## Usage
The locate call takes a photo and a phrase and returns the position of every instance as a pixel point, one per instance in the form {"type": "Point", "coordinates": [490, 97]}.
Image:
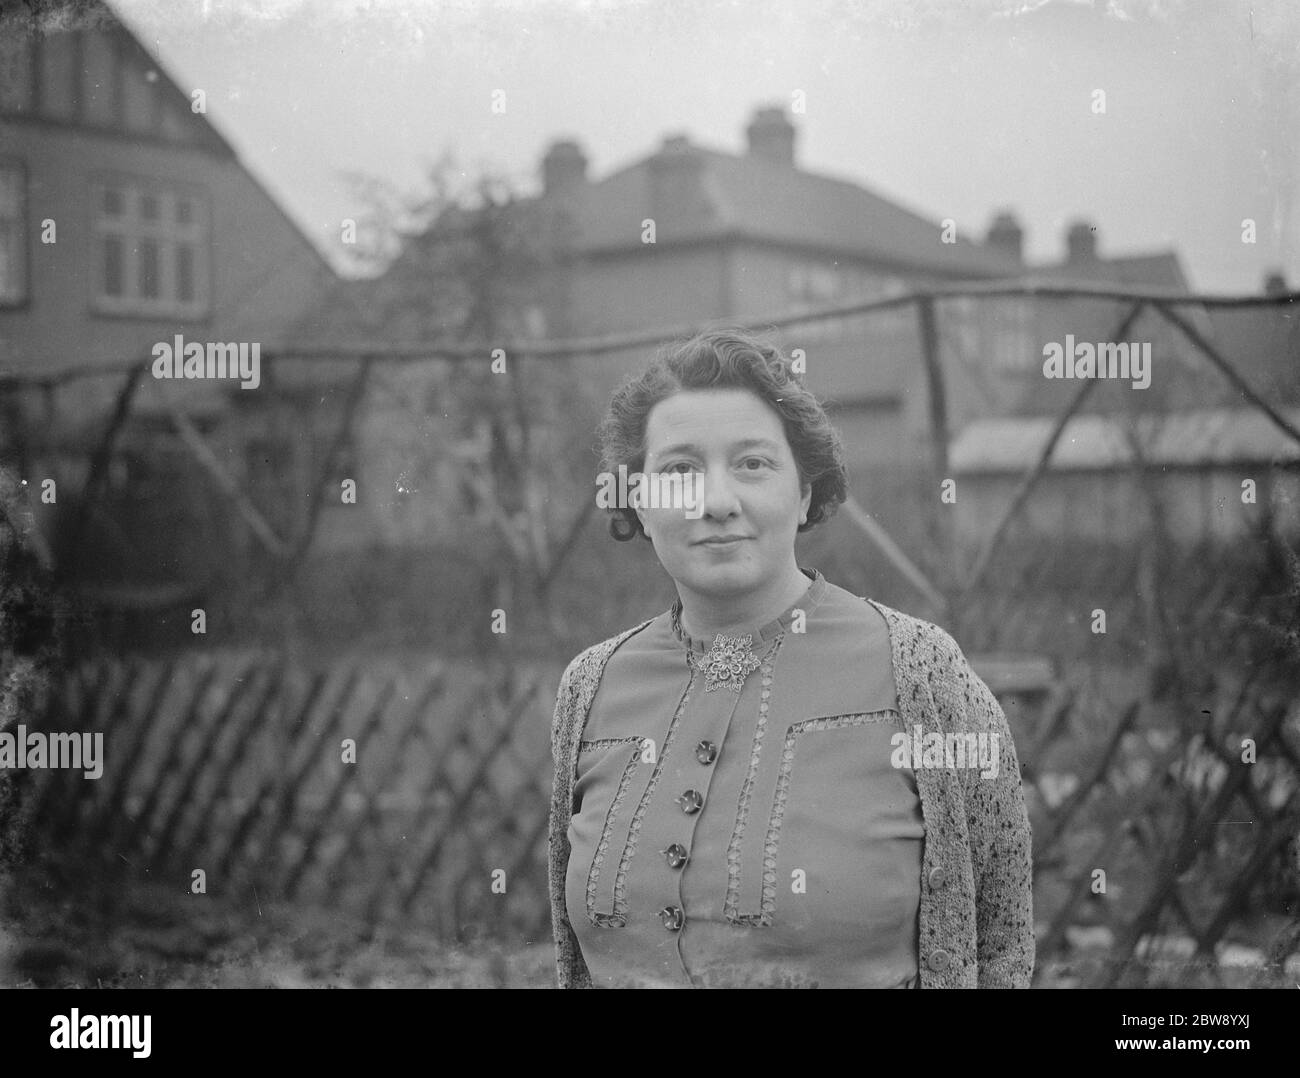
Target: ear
{"type": "Point", "coordinates": [644, 518]}
{"type": "Point", "coordinates": [804, 502]}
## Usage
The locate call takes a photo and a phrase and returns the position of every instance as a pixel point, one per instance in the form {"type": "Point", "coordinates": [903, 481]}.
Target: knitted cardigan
{"type": "Point", "coordinates": [976, 915]}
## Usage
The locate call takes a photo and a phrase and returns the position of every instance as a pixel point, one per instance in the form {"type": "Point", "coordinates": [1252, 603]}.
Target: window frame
{"type": "Point", "coordinates": [24, 242]}
{"type": "Point", "coordinates": [169, 236]}
{"type": "Point", "coordinates": [29, 47]}
{"type": "Point", "coordinates": [1011, 326]}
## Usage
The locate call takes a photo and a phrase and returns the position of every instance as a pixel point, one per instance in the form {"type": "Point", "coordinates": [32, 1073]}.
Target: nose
{"type": "Point", "coordinates": [719, 499]}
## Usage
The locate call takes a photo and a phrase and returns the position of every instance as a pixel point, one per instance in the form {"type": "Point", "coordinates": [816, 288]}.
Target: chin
{"type": "Point", "coordinates": [722, 579]}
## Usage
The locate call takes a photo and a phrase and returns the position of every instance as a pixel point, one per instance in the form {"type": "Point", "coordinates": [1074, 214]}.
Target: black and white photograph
{"type": "Point", "coordinates": [650, 494]}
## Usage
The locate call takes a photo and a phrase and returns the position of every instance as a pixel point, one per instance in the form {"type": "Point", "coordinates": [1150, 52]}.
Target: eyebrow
{"type": "Point", "coordinates": [689, 447]}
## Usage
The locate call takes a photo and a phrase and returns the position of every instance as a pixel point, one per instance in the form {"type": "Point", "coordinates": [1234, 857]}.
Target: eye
{"type": "Point", "coordinates": [753, 464]}
{"type": "Point", "coordinates": [679, 466]}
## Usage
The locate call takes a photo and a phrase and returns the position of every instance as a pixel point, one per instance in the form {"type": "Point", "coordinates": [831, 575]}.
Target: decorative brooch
{"type": "Point", "coordinates": [728, 662]}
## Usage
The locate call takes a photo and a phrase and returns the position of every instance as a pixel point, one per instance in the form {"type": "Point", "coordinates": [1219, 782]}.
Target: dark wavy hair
{"type": "Point", "coordinates": [726, 359]}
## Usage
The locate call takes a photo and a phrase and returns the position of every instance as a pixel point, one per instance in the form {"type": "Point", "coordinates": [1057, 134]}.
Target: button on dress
{"type": "Point", "coordinates": [739, 820]}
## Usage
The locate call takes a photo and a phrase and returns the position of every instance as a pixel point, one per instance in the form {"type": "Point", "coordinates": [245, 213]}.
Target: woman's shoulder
{"type": "Point", "coordinates": [578, 684]}
{"type": "Point", "coordinates": [919, 640]}
{"type": "Point", "coordinates": [927, 652]}
{"type": "Point", "coordinates": [585, 667]}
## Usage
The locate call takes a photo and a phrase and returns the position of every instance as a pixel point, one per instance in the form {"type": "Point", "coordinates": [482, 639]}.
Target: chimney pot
{"type": "Point", "coordinates": [1006, 236]}
{"type": "Point", "coordinates": [1081, 242]}
{"type": "Point", "coordinates": [564, 166]}
{"type": "Point", "coordinates": [678, 198]}
{"type": "Point", "coordinates": [771, 135]}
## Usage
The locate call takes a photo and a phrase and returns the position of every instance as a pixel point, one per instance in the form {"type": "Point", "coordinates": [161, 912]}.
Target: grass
{"type": "Point", "coordinates": [159, 941]}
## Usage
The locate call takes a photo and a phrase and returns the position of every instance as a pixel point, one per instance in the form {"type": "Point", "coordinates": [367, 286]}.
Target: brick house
{"type": "Point", "coordinates": [126, 219]}
{"type": "Point", "coordinates": [752, 235]}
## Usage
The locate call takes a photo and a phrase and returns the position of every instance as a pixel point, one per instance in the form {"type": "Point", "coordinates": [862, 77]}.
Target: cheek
{"type": "Point", "coordinates": [665, 522]}
{"type": "Point", "coordinates": [787, 506]}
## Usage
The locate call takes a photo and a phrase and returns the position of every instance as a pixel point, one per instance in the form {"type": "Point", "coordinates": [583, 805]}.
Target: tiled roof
{"type": "Point", "coordinates": [1162, 270]}
{"type": "Point", "coordinates": [711, 196]}
{"type": "Point", "coordinates": [747, 196]}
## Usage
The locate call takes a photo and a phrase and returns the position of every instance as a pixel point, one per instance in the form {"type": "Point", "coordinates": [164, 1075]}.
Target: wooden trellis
{"type": "Point", "coordinates": [238, 766]}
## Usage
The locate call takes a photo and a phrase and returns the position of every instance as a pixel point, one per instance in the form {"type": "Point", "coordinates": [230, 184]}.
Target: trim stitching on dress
{"type": "Point", "coordinates": [609, 742]}
{"type": "Point", "coordinates": [606, 920]}
{"type": "Point", "coordinates": [747, 789]}
{"type": "Point", "coordinates": [634, 829]}
{"type": "Point", "coordinates": [767, 908]}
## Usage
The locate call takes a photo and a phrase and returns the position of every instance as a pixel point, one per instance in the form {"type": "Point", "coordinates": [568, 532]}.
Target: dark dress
{"type": "Point", "coordinates": [759, 837]}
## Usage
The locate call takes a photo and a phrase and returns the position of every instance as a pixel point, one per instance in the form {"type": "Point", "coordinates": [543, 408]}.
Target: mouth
{"type": "Point", "coordinates": [722, 540]}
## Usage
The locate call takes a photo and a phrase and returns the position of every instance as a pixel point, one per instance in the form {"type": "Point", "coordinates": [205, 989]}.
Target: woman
{"type": "Point", "coordinates": [738, 796]}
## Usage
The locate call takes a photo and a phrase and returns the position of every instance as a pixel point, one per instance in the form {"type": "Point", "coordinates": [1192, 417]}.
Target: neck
{"type": "Point", "coordinates": [704, 616]}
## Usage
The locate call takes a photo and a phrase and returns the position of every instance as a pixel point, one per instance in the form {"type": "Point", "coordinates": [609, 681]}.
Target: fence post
{"type": "Point", "coordinates": [945, 530]}
{"type": "Point", "coordinates": [934, 377]}
{"type": "Point", "coordinates": [73, 541]}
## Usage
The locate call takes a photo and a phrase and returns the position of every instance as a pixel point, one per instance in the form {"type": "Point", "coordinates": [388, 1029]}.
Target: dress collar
{"type": "Point", "coordinates": [761, 634]}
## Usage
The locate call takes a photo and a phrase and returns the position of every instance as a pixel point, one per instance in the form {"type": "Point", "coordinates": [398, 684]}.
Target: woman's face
{"type": "Point", "coordinates": [752, 504]}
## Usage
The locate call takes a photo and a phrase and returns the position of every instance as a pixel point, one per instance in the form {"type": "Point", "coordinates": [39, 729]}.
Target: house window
{"type": "Point", "coordinates": [151, 247]}
{"type": "Point", "coordinates": [15, 70]}
{"type": "Point", "coordinates": [13, 234]}
{"type": "Point", "coordinates": [99, 78]}
{"type": "Point", "coordinates": [813, 284]}
{"type": "Point", "coordinates": [1011, 327]}
{"type": "Point", "coordinates": [58, 66]}
{"type": "Point", "coordinates": [896, 325]}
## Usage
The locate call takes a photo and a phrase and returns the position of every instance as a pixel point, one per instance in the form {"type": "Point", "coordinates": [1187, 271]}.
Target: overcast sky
{"type": "Point", "coordinates": [955, 108]}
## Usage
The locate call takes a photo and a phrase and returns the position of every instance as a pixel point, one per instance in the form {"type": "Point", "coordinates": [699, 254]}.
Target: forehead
{"type": "Point", "coordinates": [712, 418]}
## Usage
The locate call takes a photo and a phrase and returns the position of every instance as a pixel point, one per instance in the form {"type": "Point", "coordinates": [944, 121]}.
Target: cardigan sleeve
{"type": "Point", "coordinates": [1000, 840]}
{"type": "Point", "coordinates": [571, 970]}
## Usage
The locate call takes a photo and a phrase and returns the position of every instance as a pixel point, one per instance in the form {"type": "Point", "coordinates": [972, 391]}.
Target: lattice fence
{"type": "Point", "coordinates": [240, 767]}
{"type": "Point", "coordinates": [234, 764]}
{"type": "Point", "coordinates": [1188, 834]}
